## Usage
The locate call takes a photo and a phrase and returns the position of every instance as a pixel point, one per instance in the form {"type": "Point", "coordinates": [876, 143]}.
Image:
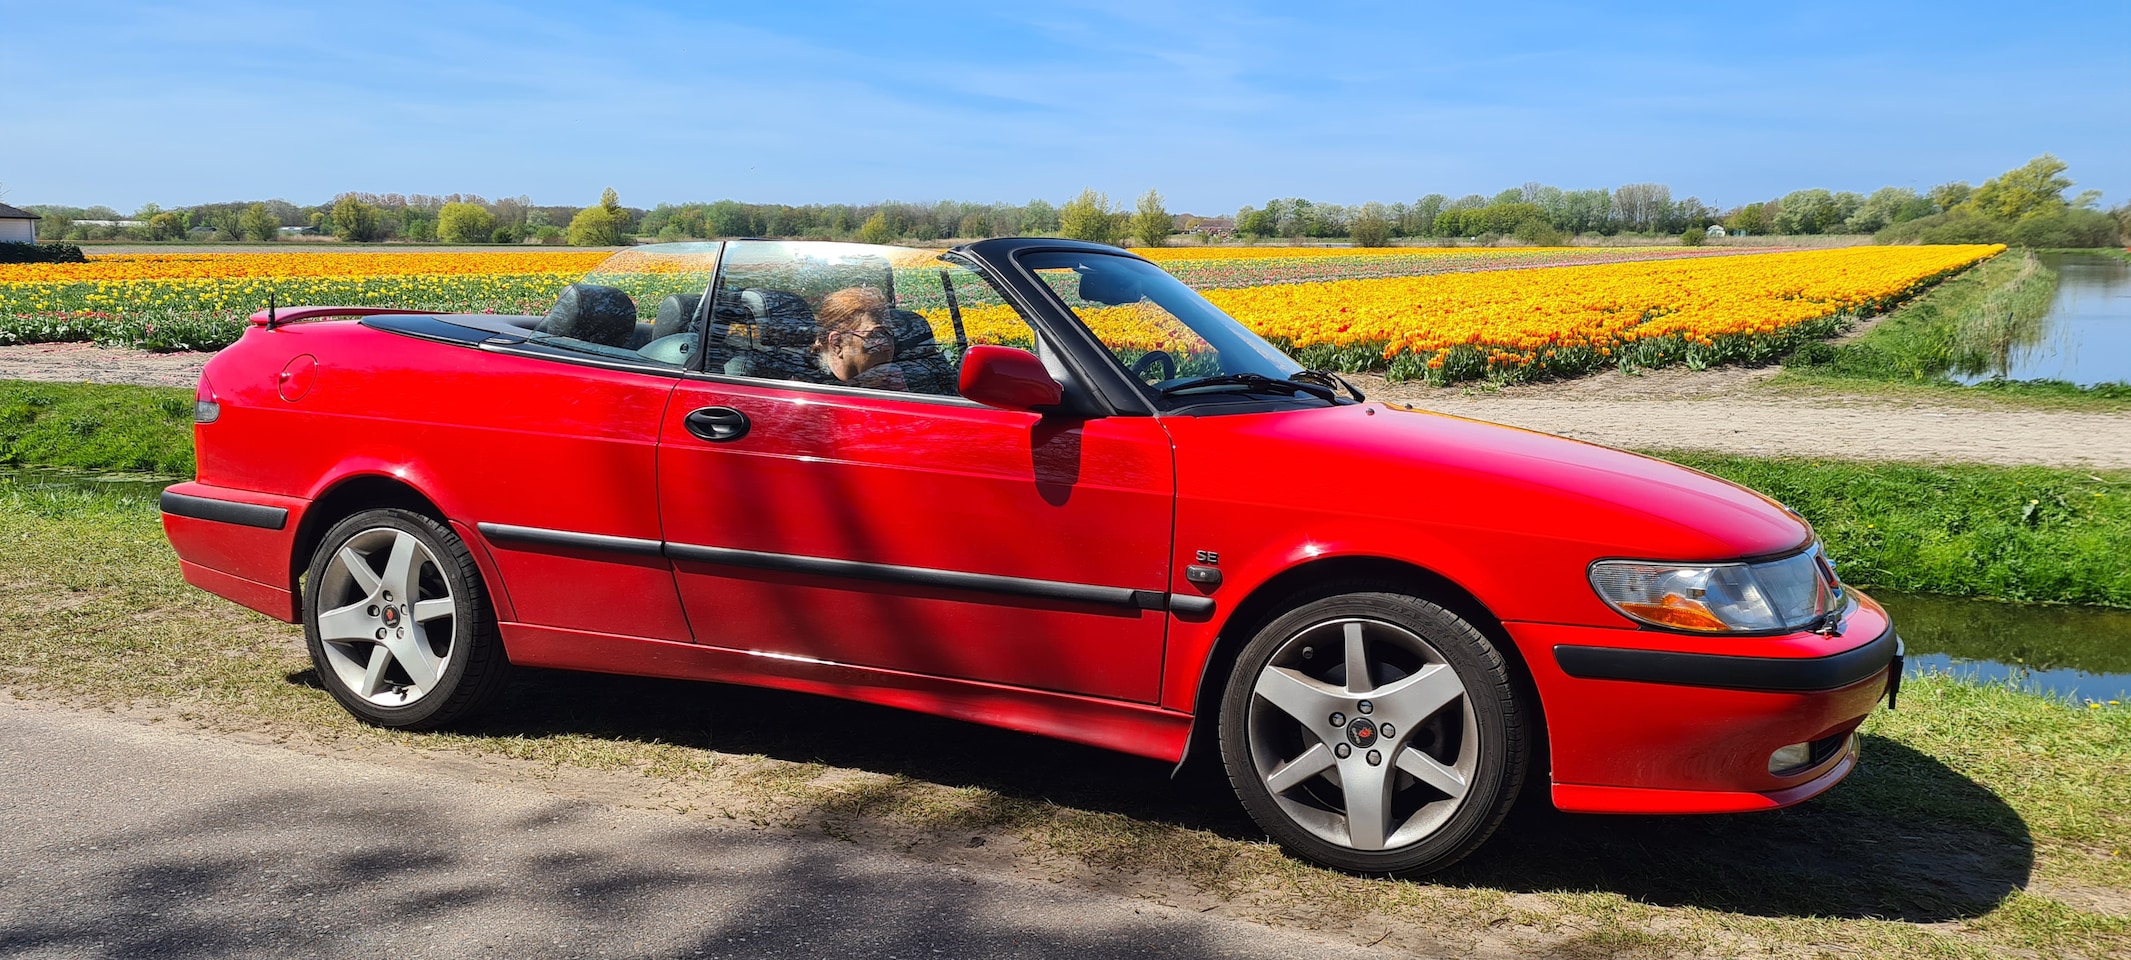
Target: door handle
{"type": "Point", "coordinates": [717, 424]}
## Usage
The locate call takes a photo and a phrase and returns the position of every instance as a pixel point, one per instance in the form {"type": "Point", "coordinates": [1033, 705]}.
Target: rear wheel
{"type": "Point", "coordinates": [1373, 732]}
{"type": "Point", "coordinates": [398, 623]}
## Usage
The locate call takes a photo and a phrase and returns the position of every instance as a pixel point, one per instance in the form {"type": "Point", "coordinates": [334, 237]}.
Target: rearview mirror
{"type": "Point", "coordinates": [1007, 378]}
{"type": "Point", "coordinates": [1109, 286]}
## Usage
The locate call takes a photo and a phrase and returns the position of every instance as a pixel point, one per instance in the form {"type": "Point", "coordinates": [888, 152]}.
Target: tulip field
{"type": "Point", "coordinates": [1441, 315]}
{"type": "Point", "coordinates": [1213, 268]}
{"type": "Point", "coordinates": [1563, 321]}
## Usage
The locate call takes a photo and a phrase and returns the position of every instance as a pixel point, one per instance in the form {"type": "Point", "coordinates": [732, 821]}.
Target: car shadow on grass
{"type": "Point", "coordinates": [1903, 838]}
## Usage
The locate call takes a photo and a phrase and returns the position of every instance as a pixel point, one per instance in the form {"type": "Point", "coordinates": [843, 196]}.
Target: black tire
{"type": "Point", "coordinates": [1309, 816]}
{"type": "Point", "coordinates": [465, 668]}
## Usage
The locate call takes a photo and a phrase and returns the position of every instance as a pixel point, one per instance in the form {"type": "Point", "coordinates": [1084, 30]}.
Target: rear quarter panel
{"type": "Point", "coordinates": [486, 437]}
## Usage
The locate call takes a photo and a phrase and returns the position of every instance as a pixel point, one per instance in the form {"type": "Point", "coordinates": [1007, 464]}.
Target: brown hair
{"type": "Point", "coordinates": [850, 308]}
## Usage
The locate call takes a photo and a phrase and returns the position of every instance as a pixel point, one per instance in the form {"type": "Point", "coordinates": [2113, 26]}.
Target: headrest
{"type": "Point", "coordinates": [727, 307]}
{"type": "Point", "coordinates": [592, 313]}
{"type": "Point", "coordinates": [674, 314]}
{"type": "Point", "coordinates": [780, 319]}
{"type": "Point", "coordinates": [913, 334]}
{"type": "Point", "coordinates": [786, 332]}
{"type": "Point", "coordinates": [776, 303]}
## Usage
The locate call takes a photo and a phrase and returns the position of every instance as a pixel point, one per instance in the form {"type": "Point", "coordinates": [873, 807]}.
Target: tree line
{"type": "Point", "coordinates": [353, 217]}
{"type": "Point", "coordinates": [2025, 205]}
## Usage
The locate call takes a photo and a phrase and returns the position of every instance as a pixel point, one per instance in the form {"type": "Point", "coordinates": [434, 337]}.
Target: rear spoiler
{"type": "Point", "coordinates": [270, 317]}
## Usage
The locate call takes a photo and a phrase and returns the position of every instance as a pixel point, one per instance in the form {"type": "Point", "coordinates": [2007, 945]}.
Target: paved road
{"type": "Point", "coordinates": [126, 840]}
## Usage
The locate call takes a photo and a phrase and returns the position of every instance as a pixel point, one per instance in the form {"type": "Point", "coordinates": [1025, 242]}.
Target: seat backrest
{"type": "Point", "coordinates": [925, 368]}
{"type": "Point", "coordinates": [768, 333]}
{"type": "Point", "coordinates": [592, 313]}
{"type": "Point", "coordinates": [674, 314]}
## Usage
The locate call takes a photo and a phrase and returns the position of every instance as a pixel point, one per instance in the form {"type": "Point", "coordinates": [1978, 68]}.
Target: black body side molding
{"type": "Point", "coordinates": [1766, 674]}
{"type": "Point", "coordinates": [1126, 597]}
{"type": "Point", "coordinates": [224, 511]}
{"type": "Point", "coordinates": [920, 576]}
{"type": "Point", "coordinates": [506, 533]}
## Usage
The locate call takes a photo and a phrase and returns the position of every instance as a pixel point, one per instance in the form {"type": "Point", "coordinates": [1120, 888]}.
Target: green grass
{"type": "Point", "coordinates": [1966, 531]}
{"type": "Point", "coordinates": [2120, 253]}
{"type": "Point", "coordinates": [1983, 821]}
{"type": "Point", "coordinates": [2001, 394]}
{"type": "Point", "coordinates": [1964, 326]}
{"type": "Point", "coordinates": [2008, 533]}
{"type": "Point", "coordinates": [96, 426]}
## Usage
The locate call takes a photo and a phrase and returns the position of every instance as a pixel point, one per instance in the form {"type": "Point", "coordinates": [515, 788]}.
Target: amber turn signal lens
{"type": "Point", "coordinates": [1677, 611]}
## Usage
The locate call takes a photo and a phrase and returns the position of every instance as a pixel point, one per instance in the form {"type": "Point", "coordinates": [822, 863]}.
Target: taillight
{"type": "Point", "coordinates": [205, 409]}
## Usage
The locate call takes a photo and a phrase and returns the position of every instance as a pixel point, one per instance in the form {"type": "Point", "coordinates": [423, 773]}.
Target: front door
{"type": "Point", "coordinates": [870, 517]}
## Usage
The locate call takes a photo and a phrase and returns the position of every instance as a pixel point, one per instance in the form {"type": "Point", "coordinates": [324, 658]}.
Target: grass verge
{"type": "Point", "coordinates": [2007, 533]}
{"type": "Point", "coordinates": [1966, 325]}
{"type": "Point", "coordinates": [2012, 533]}
{"type": "Point", "coordinates": [96, 426]}
{"type": "Point", "coordinates": [1983, 821]}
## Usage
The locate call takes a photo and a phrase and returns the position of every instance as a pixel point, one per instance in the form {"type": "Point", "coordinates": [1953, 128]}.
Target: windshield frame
{"type": "Point", "coordinates": [1226, 328]}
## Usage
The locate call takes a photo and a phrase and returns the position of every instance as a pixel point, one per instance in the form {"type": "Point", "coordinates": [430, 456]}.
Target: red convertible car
{"type": "Point", "coordinates": [1033, 483]}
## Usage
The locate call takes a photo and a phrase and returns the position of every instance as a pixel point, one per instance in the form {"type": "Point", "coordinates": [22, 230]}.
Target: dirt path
{"type": "Point", "coordinates": [87, 363]}
{"type": "Point", "coordinates": [1728, 410]}
{"type": "Point", "coordinates": [1732, 410]}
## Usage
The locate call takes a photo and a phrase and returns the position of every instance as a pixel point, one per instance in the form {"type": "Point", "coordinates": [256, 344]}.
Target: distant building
{"type": "Point", "coordinates": [17, 225]}
{"type": "Point", "coordinates": [1716, 231]}
{"type": "Point", "coordinates": [1215, 226]}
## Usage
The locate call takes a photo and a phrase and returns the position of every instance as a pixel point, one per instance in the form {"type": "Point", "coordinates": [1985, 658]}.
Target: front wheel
{"type": "Point", "coordinates": [398, 623]}
{"type": "Point", "coordinates": [1375, 733]}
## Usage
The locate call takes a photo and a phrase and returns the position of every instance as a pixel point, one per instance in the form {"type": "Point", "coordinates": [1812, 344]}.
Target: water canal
{"type": "Point", "coordinates": [2079, 653]}
{"type": "Point", "coordinates": [2085, 336]}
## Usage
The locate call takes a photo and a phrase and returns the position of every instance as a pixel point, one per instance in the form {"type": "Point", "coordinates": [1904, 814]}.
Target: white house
{"type": "Point", "coordinates": [17, 226]}
{"type": "Point", "coordinates": [1716, 231]}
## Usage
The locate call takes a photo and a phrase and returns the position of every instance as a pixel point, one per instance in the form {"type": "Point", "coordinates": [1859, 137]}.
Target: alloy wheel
{"type": "Point", "coordinates": [1363, 734]}
{"type": "Point", "coordinates": [387, 619]}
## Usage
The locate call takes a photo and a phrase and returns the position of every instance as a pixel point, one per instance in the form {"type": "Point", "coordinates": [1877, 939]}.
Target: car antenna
{"type": "Point", "coordinates": [270, 309]}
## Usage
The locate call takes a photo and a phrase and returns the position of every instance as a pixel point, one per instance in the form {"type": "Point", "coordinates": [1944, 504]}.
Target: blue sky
{"type": "Point", "coordinates": [1215, 105]}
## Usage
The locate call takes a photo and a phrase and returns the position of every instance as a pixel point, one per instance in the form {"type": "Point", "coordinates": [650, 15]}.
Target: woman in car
{"type": "Point", "coordinates": [863, 343]}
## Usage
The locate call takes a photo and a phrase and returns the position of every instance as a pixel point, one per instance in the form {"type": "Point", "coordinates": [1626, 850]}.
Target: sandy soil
{"type": "Point", "coordinates": [1729, 410]}
{"type": "Point", "coordinates": [87, 363]}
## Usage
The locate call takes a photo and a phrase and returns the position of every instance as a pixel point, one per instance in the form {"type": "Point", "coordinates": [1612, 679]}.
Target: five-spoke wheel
{"type": "Point", "coordinates": [398, 626]}
{"type": "Point", "coordinates": [1374, 732]}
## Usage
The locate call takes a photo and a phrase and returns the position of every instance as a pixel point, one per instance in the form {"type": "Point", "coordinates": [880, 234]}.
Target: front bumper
{"type": "Point", "coordinates": [1641, 721]}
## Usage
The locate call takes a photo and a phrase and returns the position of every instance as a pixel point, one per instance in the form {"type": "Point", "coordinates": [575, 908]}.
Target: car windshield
{"type": "Point", "coordinates": [1158, 328]}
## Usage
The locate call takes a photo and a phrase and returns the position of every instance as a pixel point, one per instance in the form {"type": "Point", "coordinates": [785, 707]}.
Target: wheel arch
{"type": "Point", "coordinates": [346, 497]}
{"type": "Point", "coordinates": [1328, 576]}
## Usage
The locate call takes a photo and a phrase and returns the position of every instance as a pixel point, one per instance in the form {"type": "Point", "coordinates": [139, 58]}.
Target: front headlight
{"type": "Point", "coordinates": [1775, 596]}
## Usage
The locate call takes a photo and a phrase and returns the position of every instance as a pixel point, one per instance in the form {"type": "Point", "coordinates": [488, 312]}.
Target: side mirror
{"type": "Point", "coordinates": [1007, 378]}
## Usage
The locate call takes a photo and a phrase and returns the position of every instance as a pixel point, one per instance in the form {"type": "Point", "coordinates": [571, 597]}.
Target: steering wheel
{"type": "Point", "coordinates": [1152, 359]}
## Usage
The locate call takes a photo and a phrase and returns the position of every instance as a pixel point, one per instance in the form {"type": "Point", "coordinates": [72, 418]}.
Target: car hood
{"type": "Point", "coordinates": [1492, 480]}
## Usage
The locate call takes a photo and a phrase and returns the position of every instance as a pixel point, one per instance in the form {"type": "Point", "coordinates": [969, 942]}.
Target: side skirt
{"type": "Point", "coordinates": [1132, 728]}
